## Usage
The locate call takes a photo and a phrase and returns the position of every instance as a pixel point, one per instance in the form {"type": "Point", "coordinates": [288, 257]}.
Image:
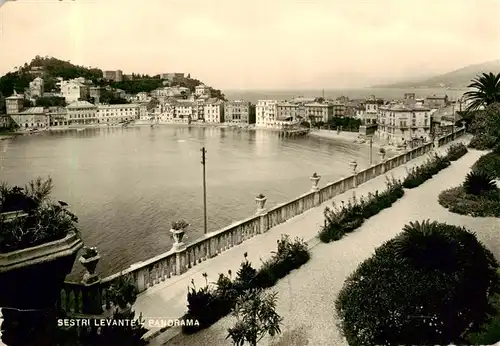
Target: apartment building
{"type": "Point", "coordinates": [265, 113]}
{"type": "Point", "coordinates": [214, 111]}
{"type": "Point", "coordinates": [239, 112]}
{"type": "Point", "coordinates": [14, 104]}
{"type": "Point", "coordinates": [371, 111]}
{"type": "Point", "coordinates": [113, 114]}
{"type": "Point", "coordinates": [339, 109]}
{"type": "Point", "coordinates": [74, 91]}
{"type": "Point", "coordinates": [81, 112]}
{"type": "Point", "coordinates": [287, 111]}
{"type": "Point", "coordinates": [399, 122]}
{"type": "Point", "coordinates": [436, 101]}
{"type": "Point", "coordinates": [319, 112]}
{"type": "Point", "coordinates": [116, 76]}
{"type": "Point", "coordinates": [202, 91]}
{"type": "Point", "coordinates": [57, 116]}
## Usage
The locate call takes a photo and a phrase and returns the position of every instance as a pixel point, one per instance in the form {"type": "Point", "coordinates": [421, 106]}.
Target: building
{"type": "Point", "coordinates": [202, 91]}
{"type": "Point", "coordinates": [319, 112]}
{"type": "Point", "coordinates": [172, 77]}
{"type": "Point", "coordinates": [81, 112]}
{"type": "Point", "coordinates": [95, 94]}
{"type": "Point", "coordinates": [114, 114]}
{"type": "Point", "coordinates": [74, 91]}
{"type": "Point", "coordinates": [339, 109]}
{"type": "Point", "coordinates": [371, 111]}
{"type": "Point", "coordinates": [57, 116]}
{"type": "Point", "coordinates": [265, 113]}
{"type": "Point", "coordinates": [239, 112]}
{"type": "Point", "coordinates": [214, 111]}
{"type": "Point", "coordinates": [116, 76]}
{"type": "Point", "coordinates": [31, 118]}
{"type": "Point", "coordinates": [14, 104]}
{"type": "Point", "coordinates": [5, 121]}
{"type": "Point", "coordinates": [399, 123]}
{"type": "Point", "coordinates": [409, 96]}
{"type": "Point", "coordinates": [36, 87]}
{"type": "Point", "coordinates": [436, 101]}
{"type": "Point", "coordinates": [287, 111]}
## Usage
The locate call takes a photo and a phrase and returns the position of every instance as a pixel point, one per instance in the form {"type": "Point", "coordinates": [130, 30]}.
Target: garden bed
{"type": "Point", "coordinates": [458, 201]}
{"type": "Point", "coordinates": [489, 163]}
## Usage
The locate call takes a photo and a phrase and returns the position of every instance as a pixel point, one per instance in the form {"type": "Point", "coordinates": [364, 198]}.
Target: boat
{"type": "Point", "coordinates": [79, 130]}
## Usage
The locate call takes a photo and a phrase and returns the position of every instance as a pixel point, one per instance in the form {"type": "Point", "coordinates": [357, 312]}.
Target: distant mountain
{"type": "Point", "coordinates": [456, 79]}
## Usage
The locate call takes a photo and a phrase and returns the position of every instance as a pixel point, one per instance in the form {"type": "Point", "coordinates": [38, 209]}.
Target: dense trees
{"type": "Point", "coordinates": [486, 91]}
{"type": "Point", "coordinates": [50, 102]}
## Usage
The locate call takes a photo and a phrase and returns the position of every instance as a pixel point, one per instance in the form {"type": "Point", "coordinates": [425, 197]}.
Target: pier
{"type": "Point", "coordinates": [293, 132]}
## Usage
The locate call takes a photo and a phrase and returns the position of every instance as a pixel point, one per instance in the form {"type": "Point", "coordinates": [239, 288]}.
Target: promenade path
{"type": "Point", "coordinates": [168, 300]}
{"type": "Point", "coordinates": [306, 296]}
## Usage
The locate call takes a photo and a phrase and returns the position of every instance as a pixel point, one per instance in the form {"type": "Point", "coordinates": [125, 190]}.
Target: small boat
{"type": "Point", "coordinates": [79, 130]}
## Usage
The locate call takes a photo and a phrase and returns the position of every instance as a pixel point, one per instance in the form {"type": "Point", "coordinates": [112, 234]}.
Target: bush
{"type": "Point", "coordinates": [458, 201]}
{"type": "Point", "coordinates": [456, 151]}
{"type": "Point", "coordinates": [489, 163]}
{"type": "Point", "coordinates": [482, 142]}
{"type": "Point", "coordinates": [209, 304]}
{"type": "Point", "coordinates": [479, 182]}
{"type": "Point", "coordinates": [419, 174]}
{"type": "Point", "coordinates": [348, 217]}
{"type": "Point", "coordinates": [427, 286]}
{"type": "Point", "coordinates": [489, 332]}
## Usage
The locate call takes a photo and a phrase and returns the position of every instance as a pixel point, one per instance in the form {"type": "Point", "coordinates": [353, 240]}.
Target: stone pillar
{"type": "Point", "coordinates": [354, 166]}
{"type": "Point", "coordinates": [261, 212]}
{"type": "Point", "coordinates": [315, 180]}
{"type": "Point", "coordinates": [92, 300]}
{"type": "Point", "coordinates": [180, 258]}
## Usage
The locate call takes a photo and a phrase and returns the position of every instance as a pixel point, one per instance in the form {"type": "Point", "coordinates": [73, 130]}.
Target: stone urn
{"type": "Point", "coordinates": [353, 166]}
{"type": "Point", "coordinates": [178, 230]}
{"type": "Point", "coordinates": [260, 199]}
{"type": "Point", "coordinates": [89, 260]}
{"type": "Point", "coordinates": [382, 155]}
{"type": "Point", "coordinates": [31, 280]}
{"type": "Point", "coordinates": [315, 180]}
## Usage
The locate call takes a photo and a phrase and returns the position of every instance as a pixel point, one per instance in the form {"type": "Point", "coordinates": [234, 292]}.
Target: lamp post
{"type": "Point", "coordinates": [203, 160]}
{"type": "Point", "coordinates": [353, 166]}
{"type": "Point", "coordinates": [371, 149]}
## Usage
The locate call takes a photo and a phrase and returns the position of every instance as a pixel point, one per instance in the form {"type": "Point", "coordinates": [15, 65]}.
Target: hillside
{"type": "Point", "coordinates": [455, 79]}
{"type": "Point", "coordinates": [49, 68]}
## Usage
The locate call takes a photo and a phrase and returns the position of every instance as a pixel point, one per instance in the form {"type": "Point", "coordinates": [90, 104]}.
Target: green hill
{"type": "Point", "coordinates": [49, 68]}
{"type": "Point", "coordinates": [455, 79]}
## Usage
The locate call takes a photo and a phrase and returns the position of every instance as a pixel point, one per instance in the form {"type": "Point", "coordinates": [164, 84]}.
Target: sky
{"type": "Point", "coordinates": [256, 44]}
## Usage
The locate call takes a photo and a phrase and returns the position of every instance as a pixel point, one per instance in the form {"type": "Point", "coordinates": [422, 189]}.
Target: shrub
{"type": "Point", "coordinates": [419, 174]}
{"type": "Point", "coordinates": [479, 182]}
{"type": "Point", "coordinates": [456, 151]}
{"type": "Point", "coordinates": [458, 201]}
{"type": "Point", "coordinates": [349, 216]}
{"type": "Point", "coordinates": [489, 332]}
{"type": "Point", "coordinates": [208, 304]}
{"type": "Point", "coordinates": [489, 163]}
{"type": "Point", "coordinates": [408, 293]}
{"type": "Point", "coordinates": [482, 142]}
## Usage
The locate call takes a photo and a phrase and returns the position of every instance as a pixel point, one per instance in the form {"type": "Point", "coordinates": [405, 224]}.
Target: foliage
{"type": "Point", "coordinates": [483, 142]}
{"type": "Point", "coordinates": [489, 332]}
{"type": "Point", "coordinates": [479, 182]}
{"type": "Point", "coordinates": [458, 201]}
{"type": "Point", "coordinates": [487, 90]}
{"type": "Point", "coordinates": [420, 174]}
{"type": "Point", "coordinates": [50, 102]}
{"type": "Point", "coordinates": [210, 303]}
{"type": "Point", "coordinates": [256, 316]}
{"type": "Point", "coordinates": [345, 218]}
{"type": "Point", "coordinates": [179, 224]}
{"type": "Point", "coordinates": [138, 85]}
{"type": "Point", "coordinates": [110, 97]}
{"type": "Point", "coordinates": [89, 252]}
{"type": "Point", "coordinates": [485, 127]}
{"type": "Point", "coordinates": [456, 151]}
{"type": "Point", "coordinates": [489, 163]}
{"type": "Point", "coordinates": [414, 299]}
{"type": "Point", "coordinates": [122, 292]}
{"type": "Point", "coordinates": [347, 123]}
{"type": "Point", "coordinates": [43, 221]}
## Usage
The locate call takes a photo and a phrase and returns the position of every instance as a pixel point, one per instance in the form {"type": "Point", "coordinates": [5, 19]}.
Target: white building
{"type": "Point", "coordinates": [31, 118]}
{"type": "Point", "coordinates": [265, 113]}
{"type": "Point", "coordinates": [214, 111]}
{"type": "Point", "coordinates": [74, 91]}
{"type": "Point", "coordinates": [202, 90]}
{"type": "Point", "coordinates": [81, 112]}
{"type": "Point", "coordinates": [36, 87]}
{"type": "Point", "coordinates": [399, 122]}
{"type": "Point", "coordinates": [114, 114]}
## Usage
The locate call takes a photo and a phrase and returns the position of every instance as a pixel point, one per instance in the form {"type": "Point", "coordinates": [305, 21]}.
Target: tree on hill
{"type": "Point", "coordinates": [50, 102]}
{"type": "Point", "coordinates": [138, 85]}
{"type": "Point", "coordinates": [109, 97]}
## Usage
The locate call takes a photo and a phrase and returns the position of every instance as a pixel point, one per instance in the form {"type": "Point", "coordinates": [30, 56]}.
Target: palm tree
{"type": "Point", "coordinates": [487, 91]}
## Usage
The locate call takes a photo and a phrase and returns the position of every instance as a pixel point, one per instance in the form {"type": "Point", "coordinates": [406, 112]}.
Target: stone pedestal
{"type": "Point", "coordinates": [315, 181]}
{"type": "Point", "coordinates": [180, 258]}
{"type": "Point", "coordinates": [261, 203]}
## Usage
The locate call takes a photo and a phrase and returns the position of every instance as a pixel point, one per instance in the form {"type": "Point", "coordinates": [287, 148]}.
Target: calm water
{"type": "Point", "coordinates": [128, 184]}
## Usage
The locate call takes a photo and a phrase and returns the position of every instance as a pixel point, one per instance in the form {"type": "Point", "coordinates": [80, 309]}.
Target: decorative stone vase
{"type": "Point", "coordinates": [353, 166]}
{"type": "Point", "coordinates": [261, 202]}
{"type": "Point", "coordinates": [382, 156]}
{"type": "Point", "coordinates": [315, 180]}
{"type": "Point", "coordinates": [30, 285]}
{"type": "Point", "coordinates": [90, 265]}
{"type": "Point", "coordinates": [178, 235]}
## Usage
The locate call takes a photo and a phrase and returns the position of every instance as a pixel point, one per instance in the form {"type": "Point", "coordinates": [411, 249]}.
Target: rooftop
{"type": "Point", "coordinates": [32, 110]}
{"type": "Point", "coordinates": [80, 104]}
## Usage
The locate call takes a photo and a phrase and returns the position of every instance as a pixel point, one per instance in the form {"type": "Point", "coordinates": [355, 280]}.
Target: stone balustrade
{"type": "Point", "coordinates": [182, 257]}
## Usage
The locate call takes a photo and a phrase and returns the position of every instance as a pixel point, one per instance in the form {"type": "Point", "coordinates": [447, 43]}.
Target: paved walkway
{"type": "Point", "coordinates": [306, 296]}
{"type": "Point", "coordinates": [168, 300]}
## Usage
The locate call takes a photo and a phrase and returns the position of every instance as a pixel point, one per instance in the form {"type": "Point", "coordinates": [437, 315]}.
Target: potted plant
{"type": "Point", "coordinates": [37, 250]}
{"type": "Point", "coordinates": [260, 199]}
{"type": "Point", "coordinates": [382, 154]}
{"type": "Point", "coordinates": [315, 180]}
{"type": "Point", "coordinates": [89, 260]}
{"type": "Point", "coordinates": [178, 230]}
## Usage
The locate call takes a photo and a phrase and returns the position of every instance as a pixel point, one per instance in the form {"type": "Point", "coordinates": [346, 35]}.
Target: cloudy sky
{"type": "Point", "coordinates": [256, 44]}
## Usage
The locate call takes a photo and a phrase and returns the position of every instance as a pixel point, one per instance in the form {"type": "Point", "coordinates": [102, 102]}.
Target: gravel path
{"type": "Point", "coordinates": [306, 296]}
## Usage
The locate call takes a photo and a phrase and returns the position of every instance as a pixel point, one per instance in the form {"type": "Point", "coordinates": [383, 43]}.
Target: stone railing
{"type": "Point", "coordinates": [182, 256]}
